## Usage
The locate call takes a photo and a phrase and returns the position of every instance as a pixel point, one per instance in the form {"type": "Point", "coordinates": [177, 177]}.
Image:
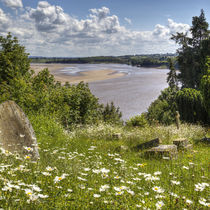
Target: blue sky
{"type": "Point", "coordinates": [98, 27]}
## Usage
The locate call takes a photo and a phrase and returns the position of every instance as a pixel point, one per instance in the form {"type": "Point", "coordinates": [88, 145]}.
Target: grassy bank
{"type": "Point", "coordinates": [84, 169]}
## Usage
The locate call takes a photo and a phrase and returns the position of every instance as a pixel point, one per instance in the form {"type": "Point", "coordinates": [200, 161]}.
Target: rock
{"type": "Point", "coordinates": [122, 148]}
{"type": "Point", "coordinates": [148, 144]}
{"type": "Point", "coordinates": [181, 143]}
{"type": "Point", "coordinates": [116, 136]}
{"type": "Point", "coordinates": [162, 151]}
{"type": "Point", "coordinates": [16, 132]}
{"type": "Point", "coordinates": [205, 140]}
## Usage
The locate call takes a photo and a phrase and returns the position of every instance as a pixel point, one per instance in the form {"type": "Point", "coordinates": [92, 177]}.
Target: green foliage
{"type": "Point", "coordinates": [14, 62]}
{"type": "Point", "coordinates": [190, 105]}
{"type": "Point", "coordinates": [162, 110]}
{"type": "Point", "coordinates": [193, 52]}
{"type": "Point", "coordinates": [205, 87]}
{"type": "Point", "coordinates": [111, 114]}
{"type": "Point", "coordinates": [172, 79]}
{"type": "Point", "coordinates": [38, 94]}
{"type": "Point", "coordinates": [137, 121]}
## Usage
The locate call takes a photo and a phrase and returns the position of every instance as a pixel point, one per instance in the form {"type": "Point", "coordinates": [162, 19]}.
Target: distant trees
{"type": "Point", "coordinates": [40, 93]}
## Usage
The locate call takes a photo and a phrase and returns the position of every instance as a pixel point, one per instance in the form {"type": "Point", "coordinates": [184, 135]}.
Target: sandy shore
{"type": "Point", "coordinates": [88, 76]}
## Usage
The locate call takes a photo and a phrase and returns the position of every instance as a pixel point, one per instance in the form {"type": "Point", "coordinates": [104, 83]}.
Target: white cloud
{"type": "Point", "coordinates": [4, 20]}
{"type": "Point", "coordinates": [171, 28]}
{"type": "Point", "coordinates": [48, 31]}
{"type": "Point", "coordinates": [128, 20]}
{"type": "Point", "coordinates": [14, 4]}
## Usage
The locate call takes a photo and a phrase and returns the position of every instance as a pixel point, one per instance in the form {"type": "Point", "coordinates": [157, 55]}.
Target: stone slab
{"type": "Point", "coordinates": [162, 151]}
{"type": "Point", "coordinates": [149, 144]}
{"type": "Point", "coordinates": [181, 143]}
{"type": "Point", "coordinates": [205, 140]}
{"type": "Point", "coordinates": [116, 136]}
{"type": "Point", "coordinates": [16, 132]}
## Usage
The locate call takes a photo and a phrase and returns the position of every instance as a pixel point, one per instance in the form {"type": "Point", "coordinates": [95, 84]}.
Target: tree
{"type": "Point", "coordinates": [190, 105]}
{"type": "Point", "coordinates": [14, 61]}
{"type": "Point", "coordinates": [205, 87]}
{"type": "Point", "coordinates": [172, 77]}
{"type": "Point", "coordinates": [193, 52]}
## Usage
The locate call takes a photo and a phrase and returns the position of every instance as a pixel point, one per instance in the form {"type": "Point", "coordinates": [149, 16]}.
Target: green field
{"type": "Point", "coordinates": [84, 169]}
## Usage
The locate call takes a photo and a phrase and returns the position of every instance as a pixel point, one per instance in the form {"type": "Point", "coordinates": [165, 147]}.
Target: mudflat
{"type": "Point", "coordinates": [86, 76]}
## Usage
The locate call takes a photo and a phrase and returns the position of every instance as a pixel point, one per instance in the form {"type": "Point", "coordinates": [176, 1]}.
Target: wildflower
{"type": "Point", "coordinates": [82, 186]}
{"type": "Point", "coordinates": [46, 173]}
{"type": "Point", "coordinates": [7, 188]}
{"type": "Point", "coordinates": [175, 182]}
{"type": "Point", "coordinates": [36, 188]}
{"type": "Point", "coordinates": [159, 204]}
{"type": "Point", "coordinates": [22, 135]}
{"type": "Point", "coordinates": [42, 196]}
{"type": "Point", "coordinates": [157, 173]}
{"type": "Point", "coordinates": [189, 202]}
{"type": "Point", "coordinates": [119, 193]}
{"type": "Point", "coordinates": [86, 169]}
{"type": "Point", "coordinates": [96, 196]}
{"type": "Point", "coordinates": [82, 179]}
{"type": "Point", "coordinates": [29, 149]}
{"type": "Point", "coordinates": [158, 189]}
{"type": "Point", "coordinates": [104, 188]}
{"type": "Point", "coordinates": [117, 177]}
{"type": "Point", "coordinates": [27, 157]}
{"type": "Point", "coordinates": [48, 168]}
{"type": "Point", "coordinates": [131, 192]}
{"type": "Point", "coordinates": [174, 195]}
{"type": "Point", "coordinates": [96, 171]}
{"type": "Point", "coordinates": [141, 165]}
{"type": "Point", "coordinates": [59, 178]}
{"type": "Point", "coordinates": [104, 176]}
{"type": "Point", "coordinates": [185, 167]}
{"type": "Point", "coordinates": [104, 170]}
{"type": "Point", "coordinates": [202, 201]}
{"type": "Point", "coordinates": [119, 160]}
{"type": "Point", "coordinates": [166, 158]}
{"type": "Point", "coordinates": [70, 190]}
{"type": "Point", "coordinates": [201, 186]}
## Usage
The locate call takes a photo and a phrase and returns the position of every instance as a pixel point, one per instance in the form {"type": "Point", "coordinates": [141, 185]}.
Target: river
{"type": "Point", "coordinates": [133, 93]}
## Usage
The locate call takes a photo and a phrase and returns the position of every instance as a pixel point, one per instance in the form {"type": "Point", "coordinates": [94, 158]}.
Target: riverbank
{"type": "Point", "coordinates": [86, 76]}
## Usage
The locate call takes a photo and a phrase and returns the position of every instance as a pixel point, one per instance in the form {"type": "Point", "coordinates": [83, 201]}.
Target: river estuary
{"type": "Point", "coordinates": [133, 92]}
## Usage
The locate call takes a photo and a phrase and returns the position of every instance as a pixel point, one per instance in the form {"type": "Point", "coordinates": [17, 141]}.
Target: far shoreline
{"type": "Point", "coordinates": [85, 76]}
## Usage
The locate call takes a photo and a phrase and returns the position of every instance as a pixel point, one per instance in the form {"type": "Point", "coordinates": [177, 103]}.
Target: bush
{"type": "Point", "coordinates": [162, 110]}
{"type": "Point", "coordinates": [137, 121]}
{"type": "Point", "coordinates": [190, 105]}
{"type": "Point", "coordinates": [111, 114]}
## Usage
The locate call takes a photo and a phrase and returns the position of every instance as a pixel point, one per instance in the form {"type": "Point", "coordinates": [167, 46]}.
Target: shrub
{"type": "Point", "coordinates": [190, 105]}
{"type": "Point", "coordinates": [137, 121]}
{"type": "Point", "coordinates": [162, 110]}
{"type": "Point", "coordinates": [111, 114]}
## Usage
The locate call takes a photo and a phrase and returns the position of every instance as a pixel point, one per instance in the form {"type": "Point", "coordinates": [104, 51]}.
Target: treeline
{"type": "Point", "coordinates": [189, 90]}
{"type": "Point", "coordinates": [41, 94]}
{"type": "Point", "coordinates": [154, 60]}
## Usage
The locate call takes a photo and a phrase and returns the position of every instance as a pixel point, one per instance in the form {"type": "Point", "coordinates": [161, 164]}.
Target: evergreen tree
{"type": "Point", "coordinates": [193, 52]}
{"type": "Point", "coordinates": [172, 77]}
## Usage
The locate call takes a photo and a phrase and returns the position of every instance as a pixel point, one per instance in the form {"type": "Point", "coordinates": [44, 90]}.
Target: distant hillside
{"type": "Point", "coordinates": [153, 60]}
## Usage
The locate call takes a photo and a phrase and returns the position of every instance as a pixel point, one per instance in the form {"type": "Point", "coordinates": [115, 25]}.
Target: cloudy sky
{"type": "Point", "coordinates": [73, 28]}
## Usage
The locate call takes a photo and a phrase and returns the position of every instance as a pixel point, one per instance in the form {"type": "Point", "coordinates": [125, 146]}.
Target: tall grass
{"type": "Point", "coordinates": [82, 169]}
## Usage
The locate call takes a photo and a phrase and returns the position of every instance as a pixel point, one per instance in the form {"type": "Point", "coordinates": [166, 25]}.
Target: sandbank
{"type": "Point", "coordinates": [86, 76]}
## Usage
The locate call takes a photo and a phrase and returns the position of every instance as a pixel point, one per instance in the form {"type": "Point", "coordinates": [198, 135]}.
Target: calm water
{"type": "Point", "coordinates": [133, 92]}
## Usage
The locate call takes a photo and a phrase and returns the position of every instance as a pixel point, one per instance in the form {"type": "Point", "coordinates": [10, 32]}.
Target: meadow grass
{"type": "Point", "coordinates": [84, 169]}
